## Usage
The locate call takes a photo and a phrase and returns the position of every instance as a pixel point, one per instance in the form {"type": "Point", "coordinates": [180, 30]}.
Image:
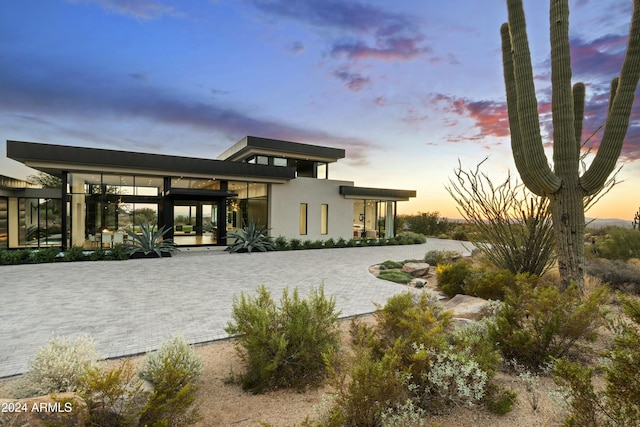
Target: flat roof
{"type": "Point", "coordinates": [54, 159]}
{"type": "Point", "coordinates": [376, 193]}
{"type": "Point", "coordinates": [253, 145]}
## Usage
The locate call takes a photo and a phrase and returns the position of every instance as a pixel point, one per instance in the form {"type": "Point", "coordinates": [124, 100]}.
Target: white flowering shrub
{"type": "Point", "coordinates": [179, 354]}
{"type": "Point", "coordinates": [452, 379]}
{"type": "Point", "coordinates": [58, 366]}
{"type": "Point", "coordinates": [405, 415]}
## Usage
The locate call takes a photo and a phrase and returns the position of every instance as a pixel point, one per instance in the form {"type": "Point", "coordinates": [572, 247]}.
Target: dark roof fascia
{"type": "Point", "coordinates": [253, 144]}
{"type": "Point", "coordinates": [34, 193]}
{"type": "Point", "coordinates": [193, 192]}
{"type": "Point", "coordinates": [376, 193]}
{"type": "Point", "coordinates": [54, 159]}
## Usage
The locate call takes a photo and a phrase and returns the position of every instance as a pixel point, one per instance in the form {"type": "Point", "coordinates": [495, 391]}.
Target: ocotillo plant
{"type": "Point", "coordinates": [563, 185]}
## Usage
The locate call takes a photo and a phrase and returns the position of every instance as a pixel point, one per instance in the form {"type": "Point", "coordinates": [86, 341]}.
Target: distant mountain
{"type": "Point", "coordinates": [607, 222]}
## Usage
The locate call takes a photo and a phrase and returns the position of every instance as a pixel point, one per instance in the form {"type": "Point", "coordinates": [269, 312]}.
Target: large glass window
{"type": "Point", "coordinates": [250, 204]}
{"type": "Point", "coordinates": [40, 222]}
{"type": "Point", "coordinates": [195, 183]}
{"type": "Point", "coordinates": [4, 225]}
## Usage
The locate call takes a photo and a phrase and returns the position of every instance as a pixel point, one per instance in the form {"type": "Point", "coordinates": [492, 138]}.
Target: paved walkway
{"type": "Point", "coordinates": [130, 307]}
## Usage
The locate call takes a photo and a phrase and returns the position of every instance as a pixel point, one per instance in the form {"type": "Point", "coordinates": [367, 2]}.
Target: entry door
{"type": "Point", "coordinates": [195, 222]}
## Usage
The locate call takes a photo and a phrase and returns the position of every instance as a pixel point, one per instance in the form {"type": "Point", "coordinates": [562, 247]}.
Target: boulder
{"type": "Point", "coordinates": [467, 307]}
{"type": "Point", "coordinates": [60, 409]}
{"type": "Point", "coordinates": [416, 269]}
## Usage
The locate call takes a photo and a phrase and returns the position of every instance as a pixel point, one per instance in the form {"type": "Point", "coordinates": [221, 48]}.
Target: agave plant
{"type": "Point", "coordinates": [150, 240]}
{"type": "Point", "coordinates": [250, 238]}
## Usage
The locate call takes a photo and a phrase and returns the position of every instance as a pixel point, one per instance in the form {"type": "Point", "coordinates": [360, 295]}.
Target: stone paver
{"type": "Point", "coordinates": [130, 307]}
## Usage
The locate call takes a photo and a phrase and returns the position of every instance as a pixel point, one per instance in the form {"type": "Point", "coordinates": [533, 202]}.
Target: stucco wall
{"type": "Point", "coordinates": [284, 209]}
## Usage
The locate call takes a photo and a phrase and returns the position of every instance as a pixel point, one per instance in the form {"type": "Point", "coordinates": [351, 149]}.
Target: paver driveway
{"type": "Point", "coordinates": [131, 306]}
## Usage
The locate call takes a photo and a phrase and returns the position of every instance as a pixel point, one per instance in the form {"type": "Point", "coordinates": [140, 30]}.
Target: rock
{"type": "Point", "coordinates": [416, 269]}
{"type": "Point", "coordinates": [60, 409]}
{"type": "Point", "coordinates": [467, 307]}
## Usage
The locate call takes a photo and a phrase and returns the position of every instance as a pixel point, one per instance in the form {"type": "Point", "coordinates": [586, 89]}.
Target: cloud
{"type": "Point", "coordinates": [296, 47]}
{"type": "Point", "coordinates": [367, 32]}
{"type": "Point", "coordinates": [490, 118]}
{"type": "Point", "coordinates": [92, 97]}
{"type": "Point", "coordinates": [354, 81]}
{"type": "Point", "coordinates": [139, 9]}
{"type": "Point", "coordinates": [598, 60]}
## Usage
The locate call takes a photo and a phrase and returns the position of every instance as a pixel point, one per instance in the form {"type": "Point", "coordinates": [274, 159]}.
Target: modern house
{"type": "Point", "coordinates": [282, 185]}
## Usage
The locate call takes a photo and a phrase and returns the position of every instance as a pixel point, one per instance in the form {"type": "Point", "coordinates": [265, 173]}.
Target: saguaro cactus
{"type": "Point", "coordinates": [563, 185]}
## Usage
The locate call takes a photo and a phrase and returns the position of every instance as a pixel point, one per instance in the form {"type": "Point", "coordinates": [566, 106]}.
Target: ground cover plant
{"type": "Point", "coordinates": [283, 344]}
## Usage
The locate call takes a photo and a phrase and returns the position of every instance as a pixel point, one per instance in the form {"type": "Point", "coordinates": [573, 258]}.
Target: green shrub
{"type": "Point", "coordinates": [97, 255]}
{"type": "Point", "coordinates": [395, 276]}
{"type": "Point", "coordinates": [174, 371]}
{"type": "Point", "coordinates": [117, 253]}
{"type": "Point", "coordinates": [435, 258]}
{"type": "Point", "coordinates": [307, 244]}
{"type": "Point", "coordinates": [392, 241]}
{"type": "Point", "coordinates": [489, 283]}
{"type": "Point", "coordinates": [329, 243]}
{"type": "Point", "coordinates": [39, 256]}
{"type": "Point", "coordinates": [283, 346]}
{"type": "Point", "coordinates": [538, 321]}
{"type": "Point", "coordinates": [351, 243]}
{"type": "Point", "coordinates": [341, 243]}
{"type": "Point", "coordinates": [59, 366]}
{"type": "Point", "coordinates": [14, 256]}
{"type": "Point", "coordinates": [295, 244]}
{"type": "Point", "coordinates": [618, 274]}
{"type": "Point", "coordinates": [620, 243]}
{"type": "Point", "coordinates": [317, 244]}
{"type": "Point", "coordinates": [389, 265]}
{"type": "Point", "coordinates": [452, 277]}
{"type": "Point", "coordinates": [500, 401]}
{"type": "Point", "coordinates": [114, 397]}
{"type": "Point", "coordinates": [280, 243]}
{"type": "Point", "coordinates": [74, 253]}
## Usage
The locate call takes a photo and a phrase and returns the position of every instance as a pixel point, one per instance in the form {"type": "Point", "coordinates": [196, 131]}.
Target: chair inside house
{"type": "Point", "coordinates": [107, 238]}
{"type": "Point", "coordinates": [118, 239]}
{"type": "Point", "coordinates": [93, 242]}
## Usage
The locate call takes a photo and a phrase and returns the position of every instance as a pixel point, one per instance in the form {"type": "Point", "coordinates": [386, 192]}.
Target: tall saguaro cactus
{"type": "Point", "coordinates": [563, 184]}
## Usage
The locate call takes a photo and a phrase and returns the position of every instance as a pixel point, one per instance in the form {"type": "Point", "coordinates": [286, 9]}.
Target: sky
{"type": "Point", "coordinates": [408, 88]}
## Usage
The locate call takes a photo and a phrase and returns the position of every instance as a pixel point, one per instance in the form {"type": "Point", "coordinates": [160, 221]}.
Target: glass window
{"type": "Point", "coordinates": [4, 225]}
{"type": "Point", "coordinates": [40, 222]}
{"type": "Point", "coordinates": [149, 185]}
{"type": "Point", "coordinates": [324, 219]}
{"type": "Point", "coordinates": [195, 183]}
{"type": "Point", "coordinates": [262, 160]}
{"type": "Point", "coordinates": [303, 218]}
{"type": "Point", "coordinates": [321, 170]}
{"type": "Point", "coordinates": [279, 161]}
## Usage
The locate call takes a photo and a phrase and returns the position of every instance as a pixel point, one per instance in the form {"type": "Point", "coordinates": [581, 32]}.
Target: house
{"type": "Point", "coordinates": [282, 185]}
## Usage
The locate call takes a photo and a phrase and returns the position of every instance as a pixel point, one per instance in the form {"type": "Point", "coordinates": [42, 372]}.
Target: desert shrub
{"type": "Point", "coordinates": [317, 244]}
{"type": "Point", "coordinates": [295, 244]}
{"type": "Point", "coordinates": [489, 283]}
{"type": "Point", "coordinates": [434, 257]}
{"type": "Point", "coordinates": [283, 345]}
{"type": "Point", "coordinates": [620, 243]}
{"type": "Point", "coordinates": [39, 256]}
{"type": "Point", "coordinates": [389, 264]}
{"type": "Point", "coordinates": [329, 243]}
{"type": "Point", "coordinates": [407, 366]}
{"type": "Point", "coordinates": [280, 243]}
{"type": "Point", "coordinates": [307, 244]}
{"type": "Point", "coordinates": [392, 241]}
{"type": "Point", "coordinates": [341, 243]}
{"type": "Point", "coordinates": [74, 253]}
{"type": "Point", "coordinates": [115, 396]}
{"type": "Point", "coordinates": [427, 223]}
{"type": "Point", "coordinates": [618, 274]}
{"type": "Point", "coordinates": [58, 366]}
{"type": "Point", "coordinates": [174, 371]}
{"type": "Point", "coordinates": [179, 353]}
{"type": "Point", "coordinates": [13, 257]}
{"type": "Point", "coordinates": [538, 321]}
{"type": "Point", "coordinates": [473, 339]}
{"type": "Point", "coordinates": [351, 243]}
{"type": "Point", "coordinates": [452, 277]}
{"type": "Point", "coordinates": [499, 400]}
{"type": "Point", "coordinates": [410, 238]}
{"type": "Point", "coordinates": [395, 276]}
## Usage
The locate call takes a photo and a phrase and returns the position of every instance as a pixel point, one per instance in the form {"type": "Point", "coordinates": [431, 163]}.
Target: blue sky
{"type": "Point", "coordinates": [406, 87]}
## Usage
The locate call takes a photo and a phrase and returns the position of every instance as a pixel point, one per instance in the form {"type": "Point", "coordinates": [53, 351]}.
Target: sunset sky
{"type": "Point", "coordinates": [407, 87]}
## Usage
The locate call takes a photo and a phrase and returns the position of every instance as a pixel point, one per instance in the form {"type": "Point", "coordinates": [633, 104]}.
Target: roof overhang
{"type": "Point", "coordinates": [55, 159]}
{"type": "Point", "coordinates": [251, 145]}
{"type": "Point", "coordinates": [351, 192]}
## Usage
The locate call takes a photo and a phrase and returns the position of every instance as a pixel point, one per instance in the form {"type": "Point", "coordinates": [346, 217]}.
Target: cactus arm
{"type": "Point", "coordinates": [566, 152]}
{"type": "Point", "coordinates": [530, 141]}
{"type": "Point", "coordinates": [514, 125]}
{"type": "Point", "coordinates": [612, 93]}
{"type": "Point", "coordinates": [617, 122]}
{"type": "Point", "coordinates": [578, 111]}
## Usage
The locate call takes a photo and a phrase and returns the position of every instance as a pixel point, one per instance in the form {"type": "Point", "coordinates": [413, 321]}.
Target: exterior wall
{"type": "Point", "coordinates": [284, 209]}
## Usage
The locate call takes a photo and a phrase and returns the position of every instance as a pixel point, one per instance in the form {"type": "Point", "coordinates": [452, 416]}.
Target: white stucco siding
{"type": "Point", "coordinates": [284, 209]}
